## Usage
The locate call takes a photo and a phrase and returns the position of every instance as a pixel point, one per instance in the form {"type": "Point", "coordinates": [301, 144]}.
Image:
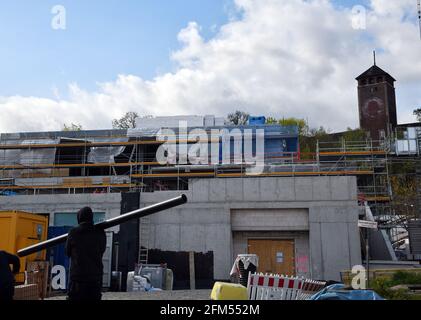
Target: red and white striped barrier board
{"type": "Point", "coordinates": [311, 287]}
{"type": "Point", "coordinates": [279, 287]}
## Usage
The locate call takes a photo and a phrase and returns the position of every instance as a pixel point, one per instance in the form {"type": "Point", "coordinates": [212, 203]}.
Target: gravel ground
{"type": "Point", "coordinates": [161, 295]}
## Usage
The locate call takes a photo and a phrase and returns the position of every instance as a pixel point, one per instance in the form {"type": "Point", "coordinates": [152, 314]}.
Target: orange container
{"type": "Point", "coordinates": [19, 230]}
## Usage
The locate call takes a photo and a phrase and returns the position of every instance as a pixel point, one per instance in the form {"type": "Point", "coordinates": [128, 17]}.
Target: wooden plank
{"type": "Point", "coordinates": [236, 175]}
{"type": "Point", "coordinates": [77, 165]}
{"type": "Point", "coordinates": [69, 186]}
{"type": "Point", "coordinates": [174, 175]}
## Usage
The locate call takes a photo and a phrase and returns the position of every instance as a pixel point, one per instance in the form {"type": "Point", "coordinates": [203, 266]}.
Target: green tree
{"type": "Point", "coordinates": [238, 118]}
{"type": "Point", "coordinates": [300, 123]}
{"type": "Point", "coordinates": [417, 113]}
{"type": "Point", "coordinates": [72, 127]}
{"type": "Point", "coordinates": [128, 121]}
{"type": "Point", "coordinates": [271, 120]}
{"type": "Point", "coordinates": [355, 135]}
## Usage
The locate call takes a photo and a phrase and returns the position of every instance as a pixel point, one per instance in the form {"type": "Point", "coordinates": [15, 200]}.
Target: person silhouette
{"type": "Point", "coordinates": [7, 279]}
{"type": "Point", "coordinates": [85, 247]}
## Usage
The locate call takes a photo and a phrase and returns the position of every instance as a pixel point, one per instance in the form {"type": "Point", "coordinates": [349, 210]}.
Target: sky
{"type": "Point", "coordinates": [281, 58]}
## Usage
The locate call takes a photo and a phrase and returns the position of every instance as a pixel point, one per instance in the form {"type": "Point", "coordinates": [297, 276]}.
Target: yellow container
{"type": "Point", "coordinates": [229, 291]}
{"type": "Point", "coordinates": [19, 230]}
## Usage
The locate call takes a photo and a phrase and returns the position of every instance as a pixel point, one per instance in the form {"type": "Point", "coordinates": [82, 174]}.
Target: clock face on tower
{"type": "Point", "coordinates": [373, 108]}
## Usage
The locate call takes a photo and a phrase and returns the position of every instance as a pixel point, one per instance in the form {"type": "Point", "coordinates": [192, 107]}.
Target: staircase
{"type": "Point", "coordinates": [380, 241]}
{"type": "Point", "coordinates": [144, 237]}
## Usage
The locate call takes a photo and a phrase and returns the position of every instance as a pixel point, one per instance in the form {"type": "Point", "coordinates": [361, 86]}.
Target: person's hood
{"type": "Point", "coordinates": [85, 215]}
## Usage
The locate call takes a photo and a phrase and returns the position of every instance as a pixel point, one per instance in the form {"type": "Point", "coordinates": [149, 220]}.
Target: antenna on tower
{"type": "Point", "coordinates": [419, 14]}
{"type": "Point", "coordinates": [374, 56]}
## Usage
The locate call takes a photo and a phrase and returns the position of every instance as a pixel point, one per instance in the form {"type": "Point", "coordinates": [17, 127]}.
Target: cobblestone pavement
{"type": "Point", "coordinates": [161, 295]}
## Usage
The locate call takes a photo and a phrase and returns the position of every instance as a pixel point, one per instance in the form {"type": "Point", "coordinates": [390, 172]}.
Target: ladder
{"type": "Point", "coordinates": [144, 237]}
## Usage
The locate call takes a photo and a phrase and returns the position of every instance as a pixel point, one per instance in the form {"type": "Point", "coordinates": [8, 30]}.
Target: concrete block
{"type": "Point", "coordinates": [336, 250]}
{"type": "Point", "coordinates": [218, 240]}
{"type": "Point", "coordinates": [217, 190]}
{"type": "Point", "coordinates": [268, 189]}
{"type": "Point", "coordinates": [168, 237]}
{"type": "Point", "coordinates": [269, 219]}
{"type": "Point", "coordinates": [302, 255]}
{"type": "Point", "coordinates": [200, 190]}
{"type": "Point", "coordinates": [235, 190]}
{"type": "Point", "coordinates": [303, 189]}
{"type": "Point", "coordinates": [153, 236]}
{"type": "Point", "coordinates": [203, 216]}
{"type": "Point", "coordinates": [191, 238]}
{"type": "Point", "coordinates": [251, 189]}
{"type": "Point", "coordinates": [171, 216]}
{"type": "Point", "coordinates": [286, 189]}
{"type": "Point", "coordinates": [353, 189]}
{"type": "Point", "coordinates": [154, 197]}
{"type": "Point", "coordinates": [340, 188]}
{"type": "Point", "coordinates": [321, 189]}
{"type": "Point", "coordinates": [354, 244]}
{"type": "Point", "coordinates": [329, 214]}
{"type": "Point", "coordinates": [316, 251]}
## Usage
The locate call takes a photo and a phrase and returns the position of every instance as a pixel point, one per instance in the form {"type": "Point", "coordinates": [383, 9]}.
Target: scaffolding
{"type": "Point", "coordinates": [115, 163]}
{"type": "Point", "coordinates": [134, 166]}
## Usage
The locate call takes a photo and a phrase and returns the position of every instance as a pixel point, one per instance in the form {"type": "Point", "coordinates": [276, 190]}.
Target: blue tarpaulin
{"type": "Point", "coordinates": [338, 292]}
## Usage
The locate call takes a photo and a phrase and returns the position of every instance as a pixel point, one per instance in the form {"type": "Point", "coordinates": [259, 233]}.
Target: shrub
{"type": "Point", "coordinates": [402, 277]}
{"type": "Point", "coordinates": [382, 286]}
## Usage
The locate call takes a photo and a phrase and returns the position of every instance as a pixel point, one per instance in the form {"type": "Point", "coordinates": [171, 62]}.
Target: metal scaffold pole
{"type": "Point", "coordinates": [367, 246]}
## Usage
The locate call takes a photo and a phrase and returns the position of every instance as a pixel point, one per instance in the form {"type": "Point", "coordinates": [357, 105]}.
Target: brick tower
{"type": "Point", "coordinates": [377, 102]}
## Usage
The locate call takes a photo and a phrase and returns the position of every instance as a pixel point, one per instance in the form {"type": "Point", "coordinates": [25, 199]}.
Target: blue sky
{"type": "Point", "coordinates": [102, 39]}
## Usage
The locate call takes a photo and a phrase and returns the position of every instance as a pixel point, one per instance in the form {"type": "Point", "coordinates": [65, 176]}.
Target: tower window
{"type": "Point", "coordinates": [375, 89]}
{"type": "Point", "coordinates": [379, 79]}
{"type": "Point", "coordinates": [363, 82]}
{"type": "Point", "coordinates": [371, 81]}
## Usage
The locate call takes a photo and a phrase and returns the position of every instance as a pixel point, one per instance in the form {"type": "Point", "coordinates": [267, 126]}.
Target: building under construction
{"type": "Point", "coordinates": [299, 214]}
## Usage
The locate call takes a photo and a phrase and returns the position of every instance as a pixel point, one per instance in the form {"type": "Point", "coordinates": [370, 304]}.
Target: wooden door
{"type": "Point", "coordinates": [275, 256]}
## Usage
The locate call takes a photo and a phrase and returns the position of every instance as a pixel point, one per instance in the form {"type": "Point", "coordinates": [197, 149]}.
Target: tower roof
{"type": "Point", "coordinates": [374, 71]}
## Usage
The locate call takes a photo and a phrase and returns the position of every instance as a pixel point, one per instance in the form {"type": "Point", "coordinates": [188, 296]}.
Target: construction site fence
{"type": "Point", "coordinates": [279, 287]}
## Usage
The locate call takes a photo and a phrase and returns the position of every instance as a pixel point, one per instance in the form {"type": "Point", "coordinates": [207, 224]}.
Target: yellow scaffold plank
{"type": "Point", "coordinates": [77, 165]}
{"type": "Point", "coordinates": [352, 153]}
{"type": "Point", "coordinates": [236, 175]}
{"type": "Point", "coordinates": [67, 186]}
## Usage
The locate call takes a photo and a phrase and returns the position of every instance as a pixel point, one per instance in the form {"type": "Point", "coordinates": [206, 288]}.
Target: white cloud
{"type": "Point", "coordinates": [280, 58]}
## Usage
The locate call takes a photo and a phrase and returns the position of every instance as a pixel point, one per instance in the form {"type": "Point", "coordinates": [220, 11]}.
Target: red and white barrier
{"type": "Point", "coordinates": [279, 287]}
{"type": "Point", "coordinates": [311, 287]}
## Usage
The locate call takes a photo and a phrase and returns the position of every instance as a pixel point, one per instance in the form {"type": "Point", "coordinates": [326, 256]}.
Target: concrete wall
{"type": "Point", "coordinates": [269, 219]}
{"type": "Point", "coordinates": [204, 224]}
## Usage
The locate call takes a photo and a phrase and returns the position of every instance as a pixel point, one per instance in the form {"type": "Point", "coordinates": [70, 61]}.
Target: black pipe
{"type": "Point", "coordinates": [137, 214]}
